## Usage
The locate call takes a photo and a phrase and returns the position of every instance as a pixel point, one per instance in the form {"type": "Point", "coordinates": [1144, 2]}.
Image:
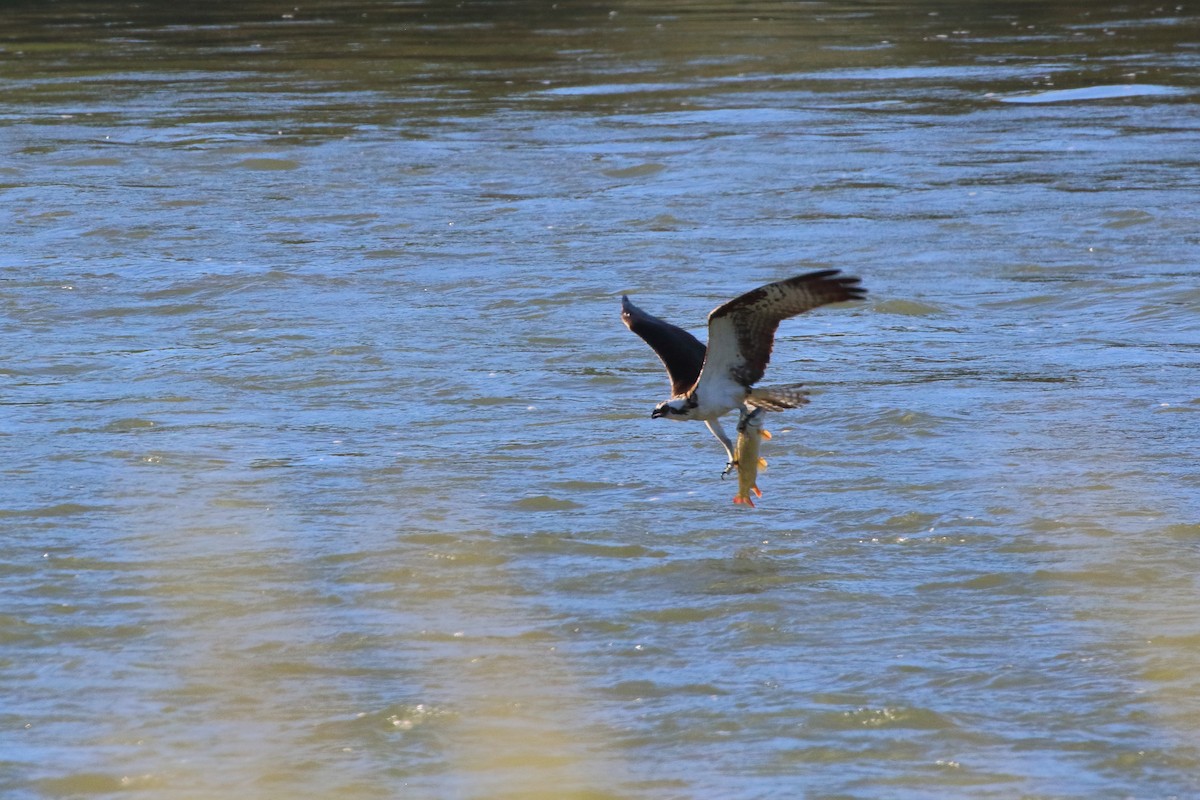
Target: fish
{"type": "Point", "coordinates": [750, 437]}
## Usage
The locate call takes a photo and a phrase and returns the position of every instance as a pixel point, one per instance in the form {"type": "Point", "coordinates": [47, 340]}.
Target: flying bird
{"type": "Point", "coordinates": [707, 383]}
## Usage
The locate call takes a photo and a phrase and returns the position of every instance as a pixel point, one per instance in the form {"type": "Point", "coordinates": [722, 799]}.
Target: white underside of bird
{"type": "Point", "coordinates": [709, 382]}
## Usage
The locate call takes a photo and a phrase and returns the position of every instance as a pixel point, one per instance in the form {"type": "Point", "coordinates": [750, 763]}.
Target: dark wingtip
{"type": "Point", "coordinates": [629, 311]}
{"type": "Point", "coordinates": [854, 291]}
{"type": "Point", "coordinates": [821, 274]}
{"type": "Point", "coordinates": [850, 284]}
{"type": "Point", "coordinates": [853, 288]}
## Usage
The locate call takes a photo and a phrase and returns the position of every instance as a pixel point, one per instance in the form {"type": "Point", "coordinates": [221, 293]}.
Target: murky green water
{"type": "Point", "coordinates": [327, 463]}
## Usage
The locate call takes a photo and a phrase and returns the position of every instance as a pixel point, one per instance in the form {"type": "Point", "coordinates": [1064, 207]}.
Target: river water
{"type": "Point", "coordinates": [327, 463]}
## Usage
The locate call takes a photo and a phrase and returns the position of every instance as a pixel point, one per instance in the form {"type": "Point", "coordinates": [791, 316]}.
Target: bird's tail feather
{"type": "Point", "coordinates": [778, 398]}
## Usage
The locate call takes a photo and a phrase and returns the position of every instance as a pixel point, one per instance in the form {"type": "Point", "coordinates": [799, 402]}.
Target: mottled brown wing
{"type": "Point", "coordinates": [680, 352]}
{"type": "Point", "coordinates": [752, 319]}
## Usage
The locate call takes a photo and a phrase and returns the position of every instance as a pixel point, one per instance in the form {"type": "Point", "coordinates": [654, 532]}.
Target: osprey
{"type": "Point", "coordinates": [707, 383]}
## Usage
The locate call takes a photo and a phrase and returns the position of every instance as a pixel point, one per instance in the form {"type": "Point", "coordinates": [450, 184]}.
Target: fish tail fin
{"type": "Point", "coordinates": [778, 398]}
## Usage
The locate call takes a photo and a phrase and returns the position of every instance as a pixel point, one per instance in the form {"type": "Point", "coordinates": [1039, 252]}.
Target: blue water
{"type": "Point", "coordinates": [328, 462]}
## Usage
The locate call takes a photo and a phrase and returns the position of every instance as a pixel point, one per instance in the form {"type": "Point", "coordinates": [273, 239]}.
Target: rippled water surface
{"type": "Point", "coordinates": [327, 463]}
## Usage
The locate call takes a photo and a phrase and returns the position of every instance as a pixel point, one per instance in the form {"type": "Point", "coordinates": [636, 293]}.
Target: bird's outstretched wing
{"type": "Point", "coordinates": [680, 352]}
{"type": "Point", "coordinates": [741, 333]}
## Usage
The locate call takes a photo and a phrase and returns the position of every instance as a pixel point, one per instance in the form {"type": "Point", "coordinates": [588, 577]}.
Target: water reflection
{"type": "Point", "coordinates": [330, 463]}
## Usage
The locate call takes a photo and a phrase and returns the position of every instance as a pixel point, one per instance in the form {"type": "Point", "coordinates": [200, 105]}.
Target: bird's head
{"type": "Point", "coordinates": [676, 408]}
